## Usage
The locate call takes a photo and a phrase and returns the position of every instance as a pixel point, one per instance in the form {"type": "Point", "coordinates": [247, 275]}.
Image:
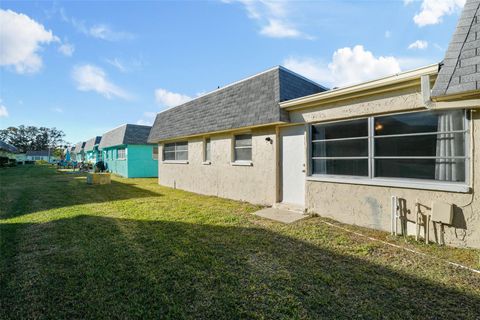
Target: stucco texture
{"type": "Point", "coordinates": [255, 184]}
{"type": "Point", "coordinates": [369, 206]}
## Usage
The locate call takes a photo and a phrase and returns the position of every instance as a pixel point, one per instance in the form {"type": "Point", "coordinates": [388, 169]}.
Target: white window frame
{"type": "Point", "coordinates": [394, 182]}
{"type": "Point", "coordinates": [124, 157]}
{"type": "Point", "coordinates": [174, 152]}
{"type": "Point", "coordinates": [153, 152]}
{"type": "Point", "coordinates": [234, 161]}
{"type": "Point", "coordinates": [205, 160]}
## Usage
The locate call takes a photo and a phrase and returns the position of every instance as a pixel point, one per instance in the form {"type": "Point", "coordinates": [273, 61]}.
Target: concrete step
{"type": "Point", "coordinates": [289, 207]}
{"type": "Point", "coordinates": [284, 216]}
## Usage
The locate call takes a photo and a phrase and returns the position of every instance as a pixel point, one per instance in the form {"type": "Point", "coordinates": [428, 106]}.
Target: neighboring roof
{"type": "Point", "coordinates": [91, 143]}
{"type": "Point", "coordinates": [460, 72]}
{"type": "Point", "coordinates": [79, 146]}
{"type": "Point", "coordinates": [41, 153]}
{"type": "Point", "coordinates": [125, 134]}
{"type": "Point", "coordinates": [7, 147]}
{"type": "Point", "coordinates": [390, 83]}
{"type": "Point", "coordinates": [250, 102]}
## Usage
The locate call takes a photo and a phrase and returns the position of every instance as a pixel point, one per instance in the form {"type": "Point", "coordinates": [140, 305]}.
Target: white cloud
{"type": "Point", "coordinates": [3, 110]}
{"type": "Point", "coordinates": [273, 17]}
{"type": "Point", "coordinates": [278, 29]}
{"type": "Point", "coordinates": [104, 32]}
{"type": "Point", "coordinates": [170, 99]}
{"type": "Point", "coordinates": [432, 11]}
{"type": "Point", "coordinates": [21, 39]}
{"type": "Point", "coordinates": [92, 78]}
{"type": "Point", "coordinates": [99, 31]}
{"type": "Point", "coordinates": [115, 62]}
{"type": "Point", "coordinates": [388, 34]}
{"type": "Point", "coordinates": [348, 66]}
{"type": "Point", "coordinates": [57, 110]}
{"type": "Point", "coordinates": [148, 118]}
{"type": "Point", "coordinates": [67, 49]}
{"type": "Point", "coordinates": [419, 44]}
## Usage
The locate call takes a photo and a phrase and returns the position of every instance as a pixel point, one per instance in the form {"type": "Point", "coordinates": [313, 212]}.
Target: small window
{"type": "Point", "coordinates": [243, 147]}
{"type": "Point", "coordinates": [121, 154]}
{"type": "Point", "coordinates": [207, 151]}
{"type": "Point", "coordinates": [155, 153]}
{"type": "Point", "coordinates": [177, 151]}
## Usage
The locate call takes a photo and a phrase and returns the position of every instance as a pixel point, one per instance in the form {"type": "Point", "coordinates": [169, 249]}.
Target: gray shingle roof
{"type": "Point", "coordinates": [79, 146]}
{"type": "Point", "coordinates": [250, 102]}
{"type": "Point", "coordinates": [7, 147]}
{"type": "Point", "coordinates": [461, 67]}
{"type": "Point", "coordinates": [41, 153]}
{"type": "Point", "coordinates": [89, 144]}
{"type": "Point", "coordinates": [126, 134]}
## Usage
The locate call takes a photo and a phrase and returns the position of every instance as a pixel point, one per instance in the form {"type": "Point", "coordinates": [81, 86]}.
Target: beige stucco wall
{"type": "Point", "coordinates": [369, 206]}
{"type": "Point", "coordinates": [255, 184]}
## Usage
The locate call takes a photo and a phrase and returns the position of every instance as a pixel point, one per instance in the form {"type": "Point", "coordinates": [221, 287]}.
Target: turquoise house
{"type": "Point", "coordinates": [125, 152]}
{"type": "Point", "coordinates": [92, 153]}
{"type": "Point", "coordinates": [79, 154]}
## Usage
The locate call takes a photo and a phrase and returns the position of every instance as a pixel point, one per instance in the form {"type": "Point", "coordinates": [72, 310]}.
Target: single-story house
{"type": "Point", "coordinates": [79, 152]}
{"type": "Point", "coordinates": [126, 152]}
{"type": "Point", "coordinates": [92, 153]}
{"type": "Point", "coordinates": [340, 153]}
{"type": "Point", "coordinates": [7, 154]}
{"type": "Point", "coordinates": [69, 153]}
{"type": "Point", "coordinates": [224, 143]}
{"type": "Point", "coordinates": [43, 155]}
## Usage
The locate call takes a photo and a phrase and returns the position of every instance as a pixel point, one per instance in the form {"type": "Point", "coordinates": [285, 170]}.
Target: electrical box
{"type": "Point", "coordinates": [442, 212]}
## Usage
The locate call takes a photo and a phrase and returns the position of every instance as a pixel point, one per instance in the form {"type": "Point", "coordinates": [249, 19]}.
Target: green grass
{"type": "Point", "coordinates": [134, 249]}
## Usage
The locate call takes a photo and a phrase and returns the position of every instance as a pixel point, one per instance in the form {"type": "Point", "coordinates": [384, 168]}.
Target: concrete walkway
{"type": "Point", "coordinates": [281, 215]}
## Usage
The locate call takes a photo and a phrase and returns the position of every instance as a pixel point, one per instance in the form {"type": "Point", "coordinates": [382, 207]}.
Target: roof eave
{"type": "Point", "coordinates": [399, 81]}
{"type": "Point", "coordinates": [234, 130]}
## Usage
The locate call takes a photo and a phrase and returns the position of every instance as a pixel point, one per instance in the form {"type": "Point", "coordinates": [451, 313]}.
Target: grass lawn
{"type": "Point", "coordinates": [134, 249]}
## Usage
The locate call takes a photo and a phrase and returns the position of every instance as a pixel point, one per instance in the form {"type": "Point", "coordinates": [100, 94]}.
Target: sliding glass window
{"type": "Point", "coordinates": [177, 151]}
{"type": "Point", "coordinates": [421, 145]}
{"type": "Point", "coordinates": [340, 148]}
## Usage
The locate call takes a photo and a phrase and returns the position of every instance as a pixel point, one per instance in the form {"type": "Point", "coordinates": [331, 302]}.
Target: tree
{"type": "Point", "coordinates": [27, 138]}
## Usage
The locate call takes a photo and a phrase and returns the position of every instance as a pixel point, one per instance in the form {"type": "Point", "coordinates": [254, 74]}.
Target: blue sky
{"type": "Point", "coordinates": [87, 67]}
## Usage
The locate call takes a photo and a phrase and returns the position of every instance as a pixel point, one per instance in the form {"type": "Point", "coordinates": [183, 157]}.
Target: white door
{"type": "Point", "coordinates": [293, 164]}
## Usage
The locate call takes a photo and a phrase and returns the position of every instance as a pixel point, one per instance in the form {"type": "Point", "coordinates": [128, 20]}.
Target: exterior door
{"type": "Point", "coordinates": [293, 164]}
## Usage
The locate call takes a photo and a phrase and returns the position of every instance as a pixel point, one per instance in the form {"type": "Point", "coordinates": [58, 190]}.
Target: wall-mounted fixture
{"type": "Point", "coordinates": [268, 139]}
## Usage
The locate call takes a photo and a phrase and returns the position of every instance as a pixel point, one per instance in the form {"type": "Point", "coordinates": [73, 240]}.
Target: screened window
{"type": "Point", "coordinates": [424, 145]}
{"type": "Point", "coordinates": [175, 151]}
{"type": "Point", "coordinates": [243, 147]}
{"type": "Point", "coordinates": [340, 148]}
{"type": "Point", "coordinates": [155, 153]}
{"type": "Point", "coordinates": [421, 145]}
{"type": "Point", "coordinates": [207, 151]}
{"type": "Point", "coordinates": [121, 154]}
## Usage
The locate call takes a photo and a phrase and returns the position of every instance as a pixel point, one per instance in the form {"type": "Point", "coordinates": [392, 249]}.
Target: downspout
{"type": "Point", "coordinates": [426, 91]}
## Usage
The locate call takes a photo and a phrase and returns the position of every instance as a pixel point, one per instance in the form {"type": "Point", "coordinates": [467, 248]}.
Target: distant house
{"type": "Point", "coordinates": [79, 151]}
{"type": "Point", "coordinates": [7, 154]}
{"type": "Point", "coordinates": [92, 153]}
{"type": "Point", "coordinates": [69, 153]}
{"type": "Point", "coordinates": [126, 152]}
{"type": "Point", "coordinates": [44, 155]}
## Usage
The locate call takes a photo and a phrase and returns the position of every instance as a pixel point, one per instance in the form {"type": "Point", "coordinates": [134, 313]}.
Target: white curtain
{"type": "Point", "coordinates": [447, 146]}
{"type": "Point", "coordinates": [320, 151]}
